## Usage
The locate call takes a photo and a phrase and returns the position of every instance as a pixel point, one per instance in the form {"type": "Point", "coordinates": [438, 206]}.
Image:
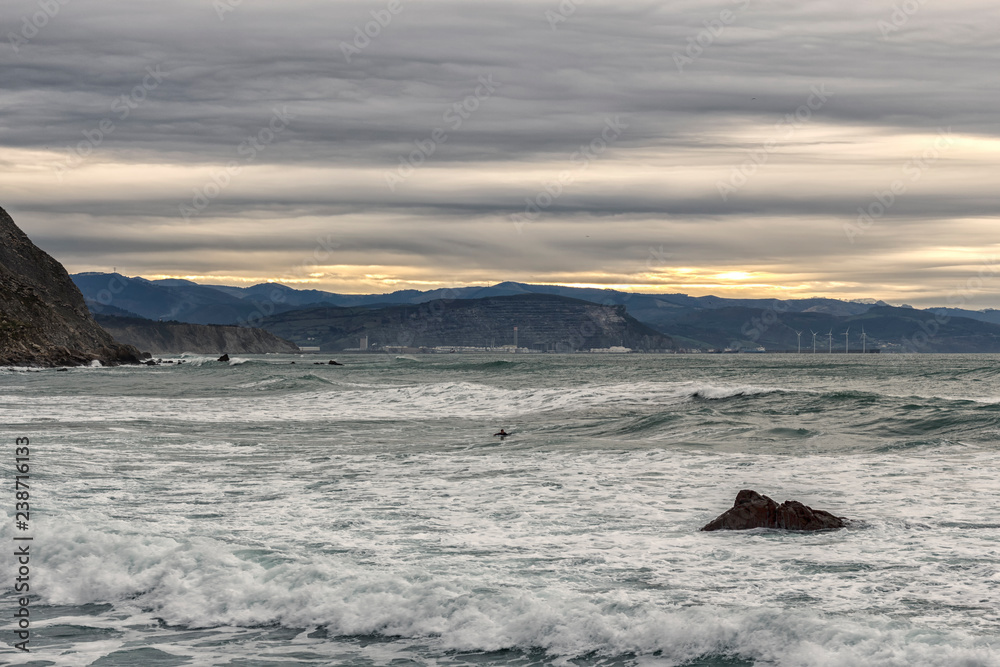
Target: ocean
{"type": "Point", "coordinates": [258, 513]}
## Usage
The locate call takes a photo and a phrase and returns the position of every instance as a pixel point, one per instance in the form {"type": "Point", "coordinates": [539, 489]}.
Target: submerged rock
{"type": "Point", "coordinates": [335, 363]}
{"type": "Point", "coordinates": [752, 510]}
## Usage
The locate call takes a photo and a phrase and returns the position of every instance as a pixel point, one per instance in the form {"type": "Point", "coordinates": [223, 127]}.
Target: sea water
{"type": "Point", "coordinates": [260, 512]}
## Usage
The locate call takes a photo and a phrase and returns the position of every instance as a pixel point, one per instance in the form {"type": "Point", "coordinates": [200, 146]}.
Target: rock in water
{"type": "Point", "coordinates": [752, 510]}
{"type": "Point", "coordinates": [224, 357]}
{"type": "Point", "coordinates": [43, 318]}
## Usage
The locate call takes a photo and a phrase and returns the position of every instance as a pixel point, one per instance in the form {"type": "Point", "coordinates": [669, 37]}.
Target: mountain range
{"type": "Point", "coordinates": [705, 322]}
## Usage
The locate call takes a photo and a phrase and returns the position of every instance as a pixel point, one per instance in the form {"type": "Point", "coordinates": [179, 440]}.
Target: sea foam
{"type": "Point", "coordinates": [205, 583]}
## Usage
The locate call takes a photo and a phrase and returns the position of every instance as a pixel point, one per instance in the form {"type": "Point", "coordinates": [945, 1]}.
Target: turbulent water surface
{"type": "Point", "coordinates": [264, 513]}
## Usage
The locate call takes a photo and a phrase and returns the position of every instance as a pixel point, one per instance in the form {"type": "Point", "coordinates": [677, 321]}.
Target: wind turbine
{"type": "Point", "coordinates": [814, 340]}
{"type": "Point", "coordinates": [864, 341]}
{"type": "Point", "coordinates": [847, 345]}
{"type": "Point", "coordinates": [829, 337]}
{"type": "Point", "coordinates": [799, 334]}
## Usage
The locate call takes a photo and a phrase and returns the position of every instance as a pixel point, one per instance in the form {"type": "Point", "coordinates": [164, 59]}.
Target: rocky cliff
{"type": "Point", "coordinates": [43, 318]}
{"type": "Point", "coordinates": [177, 337]}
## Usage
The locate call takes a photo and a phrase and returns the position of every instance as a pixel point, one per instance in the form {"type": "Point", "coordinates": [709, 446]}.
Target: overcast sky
{"type": "Point", "coordinates": [698, 147]}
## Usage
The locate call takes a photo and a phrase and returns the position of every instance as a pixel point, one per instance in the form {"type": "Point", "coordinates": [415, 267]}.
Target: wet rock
{"type": "Point", "coordinates": [224, 357]}
{"type": "Point", "coordinates": [753, 510]}
{"type": "Point", "coordinates": [335, 363]}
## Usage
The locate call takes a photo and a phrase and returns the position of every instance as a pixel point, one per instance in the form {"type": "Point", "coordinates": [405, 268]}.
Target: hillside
{"type": "Point", "coordinates": [692, 322]}
{"type": "Point", "coordinates": [187, 301]}
{"type": "Point", "coordinates": [544, 322]}
{"type": "Point", "coordinates": [43, 318]}
{"type": "Point", "coordinates": [886, 327]}
{"type": "Point", "coordinates": [178, 337]}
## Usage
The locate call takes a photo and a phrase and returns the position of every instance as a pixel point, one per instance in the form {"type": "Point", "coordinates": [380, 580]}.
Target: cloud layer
{"type": "Point", "coordinates": [746, 147]}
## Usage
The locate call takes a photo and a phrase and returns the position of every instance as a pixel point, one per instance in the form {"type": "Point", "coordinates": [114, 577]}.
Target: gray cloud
{"type": "Point", "coordinates": [184, 91]}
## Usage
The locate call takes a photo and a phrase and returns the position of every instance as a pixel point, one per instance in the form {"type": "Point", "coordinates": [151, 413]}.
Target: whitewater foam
{"type": "Point", "coordinates": [262, 514]}
{"type": "Point", "coordinates": [409, 402]}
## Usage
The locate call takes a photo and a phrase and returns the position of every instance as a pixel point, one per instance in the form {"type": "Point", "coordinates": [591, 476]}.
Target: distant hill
{"type": "Point", "coordinates": [183, 301]}
{"type": "Point", "coordinates": [187, 301]}
{"type": "Point", "coordinates": [178, 337]}
{"type": "Point", "coordinates": [98, 309]}
{"type": "Point", "coordinates": [886, 327]}
{"type": "Point", "coordinates": [988, 315]}
{"type": "Point", "coordinates": [544, 322]}
{"type": "Point", "coordinates": [43, 318]}
{"type": "Point", "coordinates": [697, 322]}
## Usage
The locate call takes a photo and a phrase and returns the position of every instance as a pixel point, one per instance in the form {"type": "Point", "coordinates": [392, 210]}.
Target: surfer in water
{"type": "Point", "coordinates": [503, 434]}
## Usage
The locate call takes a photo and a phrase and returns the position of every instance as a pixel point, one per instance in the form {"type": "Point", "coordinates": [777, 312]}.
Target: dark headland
{"type": "Point", "coordinates": [178, 337]}
{"type": "Point", "coordinates": [43, 318]}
